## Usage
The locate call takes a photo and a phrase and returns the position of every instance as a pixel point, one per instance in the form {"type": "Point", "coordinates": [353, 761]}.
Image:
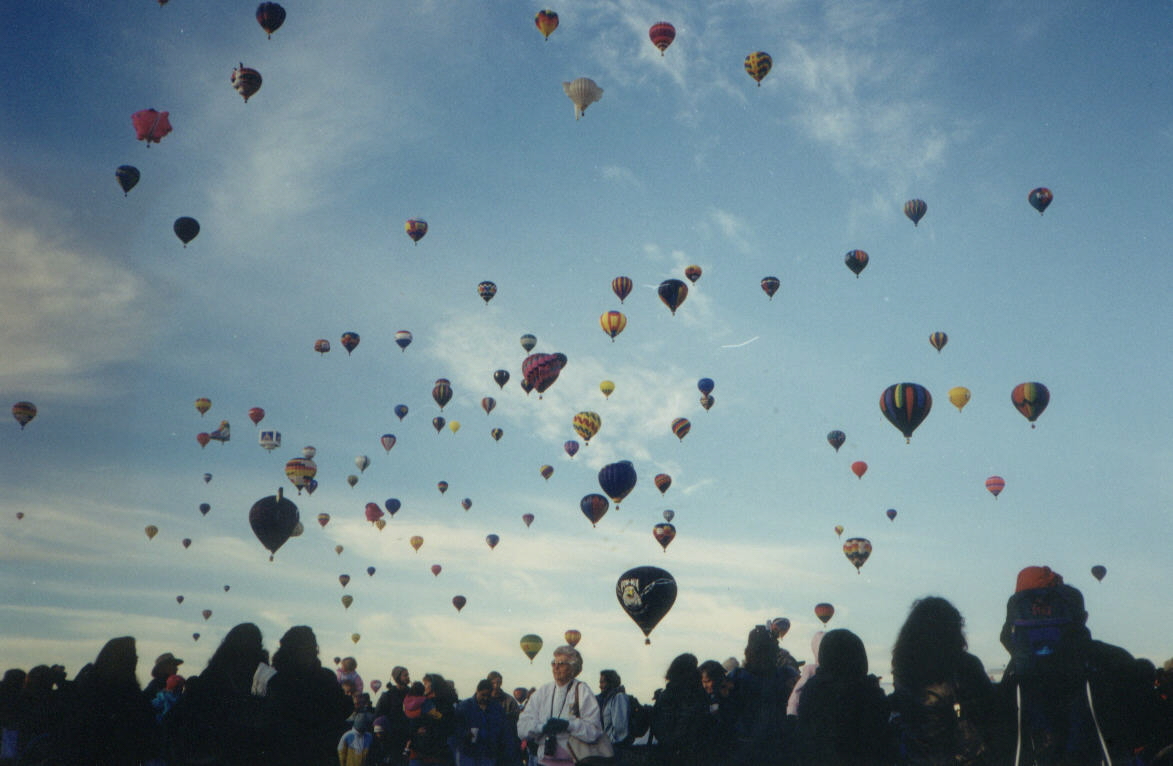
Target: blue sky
{"type": "Point", "coordinates": [455, 113]}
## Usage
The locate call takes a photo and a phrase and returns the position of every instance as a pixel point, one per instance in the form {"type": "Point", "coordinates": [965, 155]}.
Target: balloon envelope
{"type": "Point", "coordinates": [270, 16]}
{"type": "Point", "coordinates": [824, 612]}
{"type": "Point", "coordinates": [186, 228]}
{"type": "Point", "coordinates": [859, 468]}
{"type": "Point", "coordinates": [959, 397]}
{"type": "Point", "coordinates": [531, 644]}
{"type": "Point", "coordinates": [662, 481]}
{"type": "Point", "coordinates": [995, 485]}
{"type": "Point", "coordinates": [857, 550]}
{"type": "Point", "coordinates": [856, 260]}
{"type": "Point", "coordinates": [662, 34]}
{"type": "Point", "coordinates": [621, 287]}
{"type": "Point", "coordinates": [758, 65]}
{"type": "Point", "coordinates": [582, 91]}
{"type": "Point", "coordinates": [587, 424]}
{"type": "Point", "coordinates": [664, 533]}
{"type": "Point", "coordinates": [273, 519]}
{"type": "Point", "coordinates": [1040, 198]}
{"type": "Point", "coordinates": [127, 176]}
{"type": "Point", "coordinates": [459, 602]}
{"type": "Point", "coordinates": [594, 506]}
{"type": "Point", "coordinates": [672, 293]}
{"type": "Point", "coordinates": [646, 593]}
{"type": "Point", "coordinates": [528, 518]}
{"type": "Point", "coordinates": [24, 412]}
{"type": "Point", "coordinates": [1098, 572]}
{"type": "Point", "coordinates": [770, 286]}
{"type": "Point", "coordinates": [617, 480]}
{"type": "Point", "coordinates": [546, 21]}
{"type": "Point", "coordinates": [906, 405]}
{"type": "Point", "coordinates": [1030, 399]}
{"type": "Point", "coordinates": [572, 637]}
{"type": "Point", "coordinates": [915, 209]}
{"type": "Point", "coordinates": [151, 125]}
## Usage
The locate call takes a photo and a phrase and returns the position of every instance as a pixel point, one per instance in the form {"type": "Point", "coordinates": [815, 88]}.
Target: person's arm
{"type": "Point", "coordinates": [620, 716]}
{"type": "Point", "coordinates": [529, 725]}
{"type": "Point", "coordinates": [588, 724]}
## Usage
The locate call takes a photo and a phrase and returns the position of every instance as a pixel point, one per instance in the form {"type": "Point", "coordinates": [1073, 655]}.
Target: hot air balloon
{"type": "Point", "coordinates": [528, 518]}
{"type": "Point", "coordinates": [459, 602]}
{"type": "Point", "coordinates": [24, 412]}
{"type": "Point", "coordinates": [203, 404]}
{"type": "Point", "coordinates": [583, 91]}
{"type": "Point", "coordinates": [438, 423]}
{"type": "Point", "coordinates": [531, 644]}
{"type": "Point", "coordinates": [416, 541]}
{"type": "Point", "coordinates": [587, 424]}
{"type": "Point", "coordinates": [857, 550]}
{"type": "Point", "coordinates": [442, 486]}
{"type": "Point", "coordinates": [204, 508]}
{"type": "Point", "coordinates": [1098, 572]}
{"type": "Point", "coordinates": [322, 346]}
{"type": "Point", "coordinates": [300, 470]}
{"type": "Point", "coordinates": [622, 287]}
{"type": "Point", "coordinates": [344, 579]}
{"type": "Point", "coordinates": [246, 81]}
{"type": "Point", "coordinates": [273, 520]}
{"type": "Point", "coordinates": [207, 613]}
{"type": "Point", "coordinates": [223, 433]}
{"type": "Point", "coordinates": [824, 612]}
{"type": "Point", "coordinates": [501, 377]}
{"type": "Point", "coordinates": [707, 401]}
{"type": "Point", "coordinates": [338, 549]}
{"type": "Point", "coordinates": [270, 16]}
{"type": "Point", "coordinates": [207, 478]}
{"type": "Point", "coordinates": [203, 437]}
{"type": "Point", "coordinates": [486, 290]}
{"type": "Point", "coordinates": [612, 323]}
{"type": "Point", "coordinates": [350, 341]}
{"type": "Point", "coordinates": [466, 503]}
{"type": "Point", "coordinates": [151, 125]}
{"type": "Point", "coordinates": [668, 514]}
{"type": "Point", "coordinates": [915, 209]}
{"type": "Point", "coordinates": [859, 468]}
{"type": "Point", "coordinates": [572, 637]}
{"type": "Point", "coordinates": [757, 65]}
{"type": "Point", "coordinates": [352, 479]}
{"type": "Point", "coordinates": [681, 427]}
{"type": "Point", "coordinates": [380, 523]}
{"type": "Point", "coordinates": [311, 486]}
{"type": "Point", "coordinates": [546, 21]}
{"type": "Point", "coordinates": [959, 397]}
{"type": "Point", "coordinates": [770, 286]}
{"type": "Point", "coordinates": [127, 176]}
{"type": "Point", "coordinates": [442, 392]}
{"type": "Point", "coordinates": [323, 519]}
{"type": "Point", "coordinates": [995, 485]}
{"type": "Point", "coordinates": [607, 387]}
{"type": "Point", "coordinates": [1030, 399]}
{"type": "Point", "coordinates": [546, 471]}
{"type": "Point", "coordinates": [672, 293]}
{"type": "Point", "coordinates": [416, 228]}
{"type": "Point", "coordinates": [594, 506]}
{"type": "Point", "coordinates": [492, 541]}
{"type": "Point", "coordinates": [664, 533]}
{"type": "Point", "coordinates": [256, 415]}
{"type": "Point", "coordinates": [906, 405]}
{"type": "Point", "coordinates": [705, 386]}
{"type": "Point", "coordinates": [186, 228]}
{"type": "Point", "coordinates": [1040, 198]}
{"type": "Point", "coordinates": [373, 512]}
{"type": "Point", "coordinates": [839, 530]}
{"type": "Point", "coordinates": [403, 339]}
{"type": "Point", "coordinates": [617, 480]}
{"type": "Point", "coordinates": [938, 340]}
{"type": "Point", "coordinates": [179, 599]}
{"type": "Point", "coordinates": [646, 593]}
{"type": "Point", "coordinates": [388, 441]}
{"type": "Point", "coordinates": [891, 514]}
{"type": "Point", "coordinates": [836, 439]}
{"type": "Point", "coordinates": [541, 370]}
{"type": "Point", "coordinates": [376, 685]}
{"type": "Point", "coordinates": [362, 462]}
{"type": "Point", "coordinates": [662, 481]}
{"type": "Point", "coordinates": [488, 403]}
{"type": "Point", "coordinates": [347, 600]}
{"type": "Point", "coordinates": [436, 569]}
{"type": "Point", "coordinates": [151, 531]}
{"type": "Point", "coordinates": [662, 34]}
{"type": "Point", "coordinates": [570, 447]}
{"type": "Point", "coordinates": [270, 440]}
{"type": "Point", "coordinates": [392, 505]}
{"type": "Point", "coordinates": [857, 261]}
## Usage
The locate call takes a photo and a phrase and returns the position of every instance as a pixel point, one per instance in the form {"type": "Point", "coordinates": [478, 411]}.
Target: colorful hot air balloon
{"type": "Point", "coordinates": [681, 427]}
{"type": "Point", "coordinates": [583, 91]}
{"type": "Point", "coordinates": [531, 644]}
{"type": "Point", "coordinates": [273, 520]}
{"type": "Point", "coordinates": [344, 579]}
{"type": "Point", "coordinates": [151, 531]}
{"type": "Point", "coordinates": [906, 405]}
{"type": "Point", "coordinates": [24, 412]}
{"type": "Point", "coordinates": [692, 273]}
{"type": "Point", "coordinates": [246, 81]}
{"type": "Point", "coordinates": [570, 447]}
{"type": "Point", "coordinates": [857, 550]}
{"type": "Point", "coordinates": [362, 462]}
{"type": "Point", "coordinates": [836, 439]}
{"type": "Point", "coordinates": [859, 468]}
{"type": "Point", "coordinates": [438, 423]}
{"type": "Point", "coordinates": [857, 261]}
{"type": "Point", "coordinates": [662, 34]}
{"type": "Point", "coordinates": [672, 293]}
{"type": "Point", "coordinates": [915, 209]}
{"type": "Point", "coordinates": [664, 533]}
{"type": "Point", "coordinates": [151, 125]}
{"type": "Point", "coordinates": [350, 341]}
{"type": "Point", "coordinates": [416, 541]}
{"type": "Point", "coordinates": [442, 486]}
{"type": "Point", "coordinates": [486, 290]}
{"type": "Point", "coordinates": [466, 503]}
{"type": "Point", "coordinates": [587, 424]}
{"type": "Point", "coordinates": [646, 593]}
{"type": "Point", "coordinates": [546, 471]}
{"type": "Point", "coordinates": [300, 470]}
{"type": "Point", "coordinates": [322, 346]}
{"type": "Point", "coordinates": [388, 441]}
{"type": "Point", "coordinates": [373, 512]}
{"type": "Point", "coordinates": [400, 411]}
{"type": "Point", "coordinates": [541, 370]}
{"type": "Point", "coordinates": [938, 340]}
{"type": "Point", "coordinates": [572, 637]}
{"type": "Point", "coordinates": [442, 392]}
{"type": "Point", "coordinates": [528, 518]}
{"type": "Point", "coordinates": [891, 514]}
{"type": "Point", "coordinates": [995, 485]}
{"type": "Point", "coordinates": [617, 480]}
{"type": "Point", "coordinates": [770, 286]}
{"type": "Point", "coordinates": [621, 287]}
{"type": "Point", "coordinates": [186, 228]}
{"type": "Point", "coordinates": [824, 612]}
{"type": "Point", "coordinates": [528, 341]}
{"type": "Point", "coordinates": [488, 403]}
{"type": "Point", "coordinates": [270, 16]}
{"type": "Point", "coordinates": [323, 519]}
{"type": "Point", "coordinates": [607, 387]}
{"type": "Point", "coordinates": [492, 541]}
{"type": "Point", "coordinates": [546, 21]}
{"type": "Point", "coordinates": [662, 481]}
{"type": "Point", "coordinates": [959, 397]}
{"type": "Point", "coordinates": [758, 65]}
{"type": "Point", "coordinates": [127, 176]}
{"type": "Point", "coordinates": [839, 530]}
{"type": "Point", "coordinates": [459, 602]}
{"type": "Point", "coordinates": [707, 401]}
{"type": "Point", "coordinates": [1098, 572]}
{"type": "Point", "coordinates": [1040, 198]}
{"type": "Point", "coordinates": [1030, 399]}
{"type": "Point", "coordinates": [416, 228]}
{"type": "Point", "coordinates": [403, 339]}
{"type": "Point", "coordinates": [612, 323]}
{"type": "Point", "coordinates": [594, 506]}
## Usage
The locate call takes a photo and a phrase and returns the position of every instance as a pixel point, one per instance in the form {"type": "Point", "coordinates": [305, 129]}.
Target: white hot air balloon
{"type": "Point", "coordinates": [583, 92]}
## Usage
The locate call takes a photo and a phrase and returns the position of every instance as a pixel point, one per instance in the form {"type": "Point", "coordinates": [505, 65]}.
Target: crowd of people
{"type": "Point", "coordinates": [1064, 700]}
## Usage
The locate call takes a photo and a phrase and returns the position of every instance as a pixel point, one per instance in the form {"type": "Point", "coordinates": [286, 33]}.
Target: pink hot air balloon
{"type": "Point", "coordinates": [151, 125]}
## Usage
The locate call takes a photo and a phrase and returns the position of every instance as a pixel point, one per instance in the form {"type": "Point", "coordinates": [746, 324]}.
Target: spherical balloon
{"type": "Point", "coordinates": [915, 209]}
{"type": "Point", "coordinates": [824, 612]}
{"type": "Point", "coordinates": [647, 594]}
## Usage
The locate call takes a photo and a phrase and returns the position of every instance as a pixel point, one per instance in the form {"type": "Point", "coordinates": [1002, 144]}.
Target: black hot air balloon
{"type": "Point", "coordinates": [646, 594]}
{"type": "Point", "coordinates": [906, 405]}
{"type": "Point", "coordinates": [127, 176]}
{"type": "Point", "coordinates": [672, 293]}
{"type": "Point", "coordinates": [186, 229]}
{"type": "Point", "coordinates": [617, 480]}
{"type": "Point", "coordinates": [594, 506]}
{"type": "Point", "coordinates": [270, 16]}
{"type": "Point", "coordinates": [273, 520]}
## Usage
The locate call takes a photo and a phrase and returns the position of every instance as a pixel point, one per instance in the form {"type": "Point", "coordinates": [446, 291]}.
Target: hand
{"type": "Point", "coordinates": [555, 726]}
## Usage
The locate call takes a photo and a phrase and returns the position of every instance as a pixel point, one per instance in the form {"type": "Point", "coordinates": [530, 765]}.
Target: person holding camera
{"type": "Point", "coordinates": [560, 710]}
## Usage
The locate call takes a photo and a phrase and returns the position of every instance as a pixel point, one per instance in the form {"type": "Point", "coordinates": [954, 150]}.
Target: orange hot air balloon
{"type": "Point", "coordinates": [824, 612]}
{"type": "Point", "coordinates": [995, 485]}
{"type": "Point", "coordinates": [612, 323]}
{"type": "Point", "coordinates": [692, 273]}
{"type": "Point", "coordinates": [546, 21]}
{"type": "Point", "coordinates": [662, 481]}
{"type": "Point", "coordinates": [416, 542]}
{"type": "Point", "coordinates": [859, 468]}
{"type": "Point", "coordinates": [572, 637]}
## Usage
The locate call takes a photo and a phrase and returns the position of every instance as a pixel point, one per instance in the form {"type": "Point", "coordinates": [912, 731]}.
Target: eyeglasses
{"type": "Point", "coordinates": [556, 663]}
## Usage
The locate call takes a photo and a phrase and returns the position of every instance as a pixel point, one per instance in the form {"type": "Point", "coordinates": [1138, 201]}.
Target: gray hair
{"type": "Point", "coordinates": [572, 654]}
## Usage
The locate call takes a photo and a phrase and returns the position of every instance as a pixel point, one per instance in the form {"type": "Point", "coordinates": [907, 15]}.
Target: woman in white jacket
{"type": "Point", "coordinates": [559, 710]}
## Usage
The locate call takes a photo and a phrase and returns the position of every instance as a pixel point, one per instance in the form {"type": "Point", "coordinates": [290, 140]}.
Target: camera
{"type": "Point", "coordinates": [551, 747]}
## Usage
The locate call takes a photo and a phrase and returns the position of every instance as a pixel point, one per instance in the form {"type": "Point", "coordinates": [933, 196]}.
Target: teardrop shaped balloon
{"type": "Point", "coordinates": [824, 612]}
{"type": "Point", "coordinates": [995, 485]}
{"type": "Point", "coordinates": [959, 397]}
{"type": "Point", "coordinates": [891, 514]}
{"type": "Point", "coordinates": [594, 506]}
{"type": "Point", "coordinates": [179, 599]}
{"type": "Point", "coordinates": [572, 637]}
{"type": "Point", "coordinates": [541, 370]}
{"type": "Point", "coordinates": [857, 261]}
{"type": "Point", "coordinates": [836, 439]}
{"type": "Point", "coordinates": [403, 339]}
{"type": "Point", "coordinates": [1098, 572]}
{"type": "Point", "coordinates": [442, 486]}
{"type": "Point", "coordinates": [692, 273]}
{"type": "Point", "coordinates": [466, 503]}
{"type": "Point", "coordinates": [647, 594]}
{"type": "Point", "coordinates": [207, 478]}
{"type": "Point", "coordinates": [362, 462]}
{"type": "Point", "coordinates": [672, 293]}
{"type": "Point", "coordinates": [681, 427]}
{"type": "Point", "coordinates": [607, 387]}
{"type": "Point", "coordinates": [528, 341]}
{"type": "Point", "coordinates": [352, 479]}
{"type": "Point", "coordinates": [256, 415]}
{"type": "Point", "coordinates": [203, 404]}
{"type": "Point", "coordinates": [338, 549]}
{"type": "Point", "coordinates": [486, 290]}
{"type": "Point", "coordinates": [839, 530]}
{"type": "Point", "coordinates": [546, 21]}
{"type": "Point", "coordinates": [1030, 399]}
{"type": "Point", "coordinates": [203, 437]}
{"type": "Point", "coordinates": [370, 571]}
{"type": "Point", "coordinates": [496, 433]}
{"type": "Point", "coordinates": [857, 550]}
{"type": "Point", "coordinates": [347, 600]}
{"type": "Point", "coordinates": [350, 341]}
{"type": "Point", "coordinates": [705, 386]}
{"type": "Point", "coordinates": [186, 228]}
{"type": "Point", "coordinates": [906, 405]}
{"type": "Point", "coordinates": [758, 65]}
{"type": "Point", "coordinates": [459, 602]}
{"type": "Point", "coordinates": [571, 448]}
{"type": "Point", "coordinates": [1040, 198]}
{"type": "Point", "coordinates": [662, 481]}
{"type": "Point", "coordinates": [915, 209]}
{"type": "Point", "coordinates": [186, 542]}
{"type": "Point", "coordinates": [416, 541]}
{"type": "Point", "coordinates": [492, 541]}
{"type": "Point", "coordinates": [859, 468]}
{"type": "Point", "coordinates": [323, 519]}
{"type": "Point", "coordinates": [612, 323]}
{"type": "Point", "coordinates": [388, 441]}
{"type": "Point", "coordinates": [438, 423]}
{"type": "Point", "coordinates": [528, 518]}
{"type": "Point", "coordinates": [204, 508]}
{"type": "Point", "coordinates": [938, 340]}
{"type": "Point", "coordinates": [546, 471]}
{"type": "Point", "coordinates": [273, 519]}
{"type": "Point", "coordinates": [662, 34]}
{"type": "Point", "coordinates": [617, 480]}
{"type": "Point", "coordinates": [380, 524]}
{"type": "Point", "coordinates": [344, 579]}
{"type": "Point", "coordinates": [355, 637]}
{"type": "Point", "coordinates": [270, 16]}
{"type": "Point", "coordinates": [416, 228]}
{"type": "Point", "coordinates": [501, 377]}
{"type": "Point", "coordinates": [392, 505]}
{"type": "Point", "coordinates": [207, 613]}
{"type": "Point", "coordinates": [246, 80]}
{"type": "Point", "coordinates": [531, 644]}
{"type": "Point", "coordinates": [442, 392]}
{"type": "Point", "coordinates": [587, 424]}
{"type": "Point", "coordinates": [487, 404]}
{"type": "Point", "coordinates": [454, 426]}
{"type": "Point", "coordinates": [128, 176]}
{"type": "Point", "coordinates": [770, 286]}
{"type": "Point", "coordinates": [621, 286]}
{"type": "Point", "coordinates": [151, 531]}
{"type": "Point", "coordinates": [664, 533]}
{"type": "Point", "coordinates": [668, 514]}
{"type": "Point", "coordinates": [436, 569]}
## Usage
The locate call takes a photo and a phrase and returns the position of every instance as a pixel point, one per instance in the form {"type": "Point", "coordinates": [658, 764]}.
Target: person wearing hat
{"type": "Point", "coordinates": [390, 707]}
{"type": "Point", "coordinates": [166, 665]}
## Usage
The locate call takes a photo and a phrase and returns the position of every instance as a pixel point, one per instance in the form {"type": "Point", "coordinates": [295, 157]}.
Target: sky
{"type": "Point", "coordinates": [370, 115]}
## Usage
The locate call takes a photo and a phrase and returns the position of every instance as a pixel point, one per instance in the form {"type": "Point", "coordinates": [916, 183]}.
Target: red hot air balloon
{"type": "Point", "coordinates": [436, 569]}
{"type": "Point", "coordinates": [459, 602]}
{"type": "Point", "coordinates": [662, 34]}
{"type": "Point", "coordinates": [373, 512]}
{"type": "Point", "coordinates": [203, 438]}
{"type": "Point", "coordinates": [857, 261]}
{"type": "Point", "coordinates": [621, 287]}
{"type": "Point", "coordinates": [906, 405]}
{"type": "Point", "coordinates": [995, 485]}
{"type": "Point", "coordinates": [915, 209]}
{"type": "Point", "coordinates": [151, 125]}
{"type": "Point", "coordinates": [859, 468]}
{"type": "Point", "coordinates": [256, 415]}
{"type": "Point", "coordinates": [270, 16]}
{"type": "Point", "coordinates": [664, 533]}
{"type": "Point", "coordinates": [1030, 399]}
{"type": "Point", "coordinates": [1040, 198]}
{"type": "Point", "coordinates": [662, 481]}
{"type": "Point", "coordinates": [528, 518]}
{"type": "Point", "coordinates": [541, 370]}
{"type": "Point", "coordinates": [824, 612]}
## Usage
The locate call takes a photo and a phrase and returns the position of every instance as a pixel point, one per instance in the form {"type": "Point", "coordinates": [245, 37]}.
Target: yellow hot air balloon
{"type": "Point", "coordinates": [607, 387]}
{"type": "Point", "coordinates": [453, 425]}
{"type": "Point", "coordinates": [203, 404]}
{"type": "Point", "coordinates": [355, 637]}
{"type": "Point", "coordinates": [379, 524]}
{"type": "Point", "coordinates": [416, 542]}
{"type": "Point", "coordinates": [612, 323]}
{"type": "Point", "coordinates": [587, 425]}
{"type": "Point", "coordinates": [531, 644]}
{"type": "Point", "coordinates": [959, 396]}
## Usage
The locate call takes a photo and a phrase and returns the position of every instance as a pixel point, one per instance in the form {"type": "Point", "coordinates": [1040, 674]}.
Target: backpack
{"type": "Point", "coordinates": [639, 719]}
